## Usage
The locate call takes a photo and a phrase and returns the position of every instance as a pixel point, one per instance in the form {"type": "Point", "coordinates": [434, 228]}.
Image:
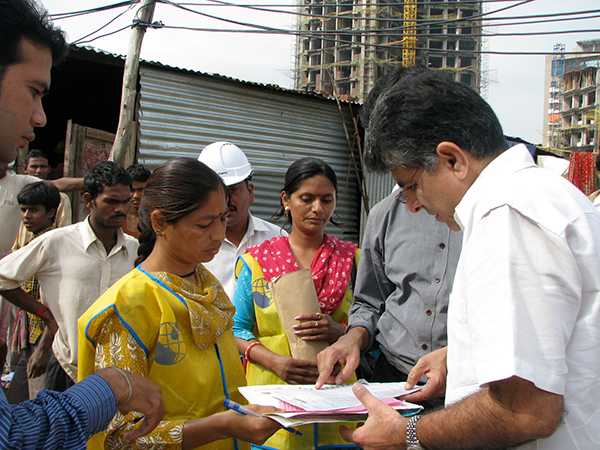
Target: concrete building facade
{"type": "Point", "coordinates": [348, 44]}
{"type": "Point", "coordinates": [572, 99]}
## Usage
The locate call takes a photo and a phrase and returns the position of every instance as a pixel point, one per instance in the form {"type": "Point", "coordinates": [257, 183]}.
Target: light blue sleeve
{"type": "Point", "coordinates": [244, 319]}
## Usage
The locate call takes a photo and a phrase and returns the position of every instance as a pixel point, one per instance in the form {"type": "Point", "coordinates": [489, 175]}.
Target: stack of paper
{"type": "Point", "coordinates": [302, 403]}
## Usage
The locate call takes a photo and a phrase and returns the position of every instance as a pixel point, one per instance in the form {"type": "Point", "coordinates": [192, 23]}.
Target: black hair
{"type": "Point", "coordinates": [106, 173]}
{"type": "Point", "coordinates": [25, 19]}
{"type": "Point", "coordinates": [35, 153]}
{"type": "Point", "coordinates": [420, 110]}
{"type": "Point", "coordinates": [138, 172]}
{"type": "Point", "coordinates": [300, 170]}
{"type": "Point", "coordinates": [176, 189]}
{"type": "Point", "coordinates": [40, 193]}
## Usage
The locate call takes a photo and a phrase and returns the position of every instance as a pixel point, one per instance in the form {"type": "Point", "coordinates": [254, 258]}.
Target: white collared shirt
{"type": "Point", "coordinates": [222, 265]}
{"type": "Point", "coordinates": [73, 270]}
{"type": "Point", "coordinates": [526, 296]}
{"type": "Point", "coordinates": [10, 214]}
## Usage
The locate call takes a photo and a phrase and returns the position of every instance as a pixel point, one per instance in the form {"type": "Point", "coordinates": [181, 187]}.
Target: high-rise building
{"type": "Point", "coordinates": [349, 43]}
{"type": "Point", "coordinates": [572, 98]}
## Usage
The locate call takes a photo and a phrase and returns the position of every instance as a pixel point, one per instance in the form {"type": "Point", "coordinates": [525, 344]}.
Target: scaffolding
{"type": "Point", "coordinates": [365, 37]}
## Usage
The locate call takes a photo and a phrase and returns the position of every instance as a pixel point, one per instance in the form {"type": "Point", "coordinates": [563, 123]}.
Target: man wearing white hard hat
{"type": "Point", "coordinates": [243, 229]}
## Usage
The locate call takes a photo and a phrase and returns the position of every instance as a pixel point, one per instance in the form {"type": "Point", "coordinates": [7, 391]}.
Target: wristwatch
{"type": "Point", "coordinates": [412, 442]}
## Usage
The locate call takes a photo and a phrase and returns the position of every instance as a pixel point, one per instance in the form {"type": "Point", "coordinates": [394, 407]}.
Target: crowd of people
{"type": "Point", "coordinates": [479, 277]}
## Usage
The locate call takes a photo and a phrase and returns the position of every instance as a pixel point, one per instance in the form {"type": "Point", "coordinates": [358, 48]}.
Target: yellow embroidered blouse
{"type": "Point", "coordinates": [177, 341]}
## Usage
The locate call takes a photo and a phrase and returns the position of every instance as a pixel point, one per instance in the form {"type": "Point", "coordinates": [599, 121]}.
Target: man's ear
{"type": "Point", "coordinates": [88, 200]}
{"type": "Point", "coordinates": [453, 158]}
{"type": "Point", "coordinates": [52, 214]}
{"type": "Point", "coordinates": [252, 191]}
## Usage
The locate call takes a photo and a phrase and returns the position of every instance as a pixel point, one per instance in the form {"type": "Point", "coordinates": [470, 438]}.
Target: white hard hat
{"type": "Point", "coordinates": [227, 160]}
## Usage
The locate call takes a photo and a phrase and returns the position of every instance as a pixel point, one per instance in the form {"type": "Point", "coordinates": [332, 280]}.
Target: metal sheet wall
{"type": "Point", "coordinates": [379, 186]}
{"type": "Point", "coordinates": [181, 113]}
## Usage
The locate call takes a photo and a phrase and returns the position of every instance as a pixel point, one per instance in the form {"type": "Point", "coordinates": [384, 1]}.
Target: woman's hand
{"type": "Point", "coordinates": [251, 428]}
{"type": "Point", "coordinates": [295, 371]}
{"type": "Point", "coordinates": [318, 327]}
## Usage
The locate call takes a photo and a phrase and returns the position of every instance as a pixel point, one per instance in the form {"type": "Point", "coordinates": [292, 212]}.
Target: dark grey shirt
{"type": "Point", "coordinates": [403, 282]}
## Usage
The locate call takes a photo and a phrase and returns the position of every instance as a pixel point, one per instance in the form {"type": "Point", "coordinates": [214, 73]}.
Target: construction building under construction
{"type": "Point", "coordinates": [347, 44]}
{"type": "Point", "coordinates": [572, 98]}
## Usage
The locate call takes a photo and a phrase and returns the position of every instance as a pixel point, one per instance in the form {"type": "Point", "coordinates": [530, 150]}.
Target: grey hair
{"type": "Point", "coordinates": [422, 109]}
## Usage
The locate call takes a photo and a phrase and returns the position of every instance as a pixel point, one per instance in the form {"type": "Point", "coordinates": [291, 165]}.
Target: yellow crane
{"type": "Point", "coordinates": [409, 33]}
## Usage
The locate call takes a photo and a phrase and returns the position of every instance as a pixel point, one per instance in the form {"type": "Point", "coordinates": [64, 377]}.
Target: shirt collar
{"type": "Point", "coordinates": [89, 237]}
{"type": "Point", "coordinates": [487, 189]}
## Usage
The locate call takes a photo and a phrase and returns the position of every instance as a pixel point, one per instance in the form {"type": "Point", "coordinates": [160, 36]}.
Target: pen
{"type": "Point", "coordinates": [236, 407]}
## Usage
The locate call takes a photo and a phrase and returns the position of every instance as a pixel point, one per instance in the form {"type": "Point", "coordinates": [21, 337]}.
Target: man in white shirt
{"type": "Point", "coordinates": [74, 265]}
{"type": "Point", "coordinates": [243, 229]}
{"type": "Point", "coordinates": [524, 314]}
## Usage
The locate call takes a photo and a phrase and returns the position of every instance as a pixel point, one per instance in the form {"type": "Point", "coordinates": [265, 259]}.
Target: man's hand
{"type": "Point", "coordinates": [145, 399]}
{"type": "Point", "coordinates": [344, 356]}
{"type": "Point", "coordinates": [432, 366]}
{"type": "Point", "coordinates": [318, 327]}
{"type": "Point", "coordinates": [38, 362]}
{"type": "Point", "coordinates": [384, 429]}
{"type": "Point", "coordinates": [295, 371]}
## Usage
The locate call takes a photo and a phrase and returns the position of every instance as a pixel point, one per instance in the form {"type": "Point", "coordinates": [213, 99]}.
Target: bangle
{"type": "Point", "coordinates": [127, 377]}
{"type": "Point", "coordinates": [246, 358]}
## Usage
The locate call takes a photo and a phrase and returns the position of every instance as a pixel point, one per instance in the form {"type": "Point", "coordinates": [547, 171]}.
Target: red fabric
{"type": "Point", "coordinates": [582, 173]}
{"type": "Point", "coordinates": [331, 266]}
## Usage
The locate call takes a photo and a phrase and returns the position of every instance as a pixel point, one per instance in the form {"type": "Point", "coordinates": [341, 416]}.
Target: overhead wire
{"type": "Point", "coordinates": [106, 34]}
{"type": "Point", "coordinates": [350, 3]}
{"type": "Point", "coordinates": [67, 15]}
{"type": "Point", "coordinates": [258, 26]}
{"type": "Point", "coordinates": [323, 34]}
{"type": "Point", "coordinates": [83, 38]}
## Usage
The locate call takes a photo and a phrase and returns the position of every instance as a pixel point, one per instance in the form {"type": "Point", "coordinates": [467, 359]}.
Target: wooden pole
{"type": "Point", "coordinates": [123, 150]}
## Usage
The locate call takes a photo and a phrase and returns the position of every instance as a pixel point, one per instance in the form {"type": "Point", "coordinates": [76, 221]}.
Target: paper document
{"type": "Point", "coordinates": [302, 404]}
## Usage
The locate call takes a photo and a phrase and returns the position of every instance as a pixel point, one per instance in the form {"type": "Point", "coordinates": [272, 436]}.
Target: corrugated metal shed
{"type": "Point", "coordinates": [180, 113]}
{"type": "Point", "coordinates": [379, 186]}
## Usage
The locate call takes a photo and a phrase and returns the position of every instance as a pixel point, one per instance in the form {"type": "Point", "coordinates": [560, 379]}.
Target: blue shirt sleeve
{"type": "Point", "coordinates": [244, 319]}
{"type": "Point", "coordinates": [56, 420]}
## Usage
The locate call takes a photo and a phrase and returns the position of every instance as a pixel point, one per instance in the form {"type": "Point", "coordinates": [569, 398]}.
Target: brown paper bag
{"type": "Point", "coordinates": [294, 294]}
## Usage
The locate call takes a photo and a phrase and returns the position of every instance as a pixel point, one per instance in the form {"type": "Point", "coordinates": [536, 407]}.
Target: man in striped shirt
{"type": "Point", "coordinates": [30, 46]}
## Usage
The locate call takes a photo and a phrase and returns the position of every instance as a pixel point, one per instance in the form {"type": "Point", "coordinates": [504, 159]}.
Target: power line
{"type": "Point", "coordinates": [358, 4]}
{"type": "Point", "coordinates": [106, 34]}
{"type": "Point", "coordinates": [380, 32]}
{"type": "Point", "coordinates": [262, 27]}
{"type": "Point", "coordinates": [364, 44]}
{"type": "Point", "coordinates": [68, 15]}
{"type": "Point", "coordinates": [76, 41]}
{"type": "Point", "coordinates": [333, 16]}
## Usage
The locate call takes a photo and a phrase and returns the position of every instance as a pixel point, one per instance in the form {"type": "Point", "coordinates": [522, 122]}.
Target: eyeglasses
{"type": "Point", "coordinates": [409, 187]}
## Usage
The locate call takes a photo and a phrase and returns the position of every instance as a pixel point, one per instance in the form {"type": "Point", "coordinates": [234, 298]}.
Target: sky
{"type": "Point", "coordinates": [516, 83]}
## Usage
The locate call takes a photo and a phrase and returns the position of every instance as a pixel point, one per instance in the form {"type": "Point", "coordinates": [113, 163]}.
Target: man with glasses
{"type": "Point", "coordinates": [408, 261]}
{"type": "Point", "coordinates": [243, 229]}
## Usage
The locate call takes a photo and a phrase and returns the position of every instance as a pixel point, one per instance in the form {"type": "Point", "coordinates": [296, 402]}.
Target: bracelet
{"type": "Point", "coordinates": [246, 358]}
{"type": "Point", "coordinates": [127, 377]}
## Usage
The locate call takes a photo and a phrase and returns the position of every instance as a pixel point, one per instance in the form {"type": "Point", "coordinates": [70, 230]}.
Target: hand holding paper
{"type": "Point", "coordinates": [383, 428]}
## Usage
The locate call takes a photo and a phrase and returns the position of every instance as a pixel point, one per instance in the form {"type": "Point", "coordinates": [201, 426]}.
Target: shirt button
{"type": "Point", "coordinates": [442, 245]}
{"type": "Point", "coordinates": [424, 346]}
{"type": "Point", "coordinates": [428, 312]}
{"type": "Point", "coordinates": [436, 281]}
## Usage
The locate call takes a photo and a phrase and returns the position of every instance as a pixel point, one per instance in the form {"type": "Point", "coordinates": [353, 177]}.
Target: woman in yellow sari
{"type": "Point", "coordinates": [170, 320]}
{"type": "Point", "coordinates": [308, 200]}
